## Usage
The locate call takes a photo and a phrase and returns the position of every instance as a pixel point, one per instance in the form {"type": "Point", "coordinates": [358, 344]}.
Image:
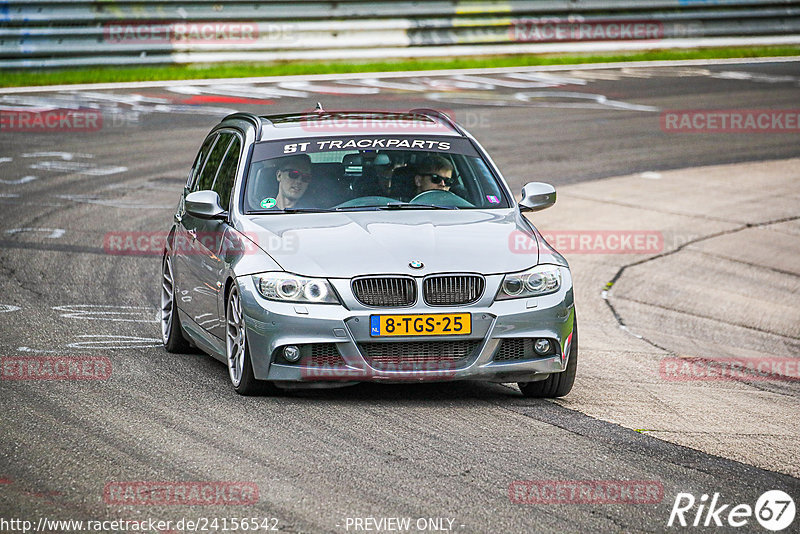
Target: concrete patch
{"type": "Point", "coordinates": [731, 295]}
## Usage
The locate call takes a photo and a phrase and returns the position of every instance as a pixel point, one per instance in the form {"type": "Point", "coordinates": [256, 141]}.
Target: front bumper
{"type": "Point", "coordinates": [271, 325]}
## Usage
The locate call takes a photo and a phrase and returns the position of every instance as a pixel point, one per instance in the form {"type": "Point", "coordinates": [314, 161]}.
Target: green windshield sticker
{"type": "Point", "coordinates": [268, 203]}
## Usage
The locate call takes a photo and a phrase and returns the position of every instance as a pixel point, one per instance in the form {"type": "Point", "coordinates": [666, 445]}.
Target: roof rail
{"type": "Point", "coordinates": [244, 115]}
{"type": "Point", "coordinates": [441, 115]}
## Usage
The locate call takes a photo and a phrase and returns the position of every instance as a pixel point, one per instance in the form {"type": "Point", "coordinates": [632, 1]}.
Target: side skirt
{"type": "Point", "coordinates": [208, 343]}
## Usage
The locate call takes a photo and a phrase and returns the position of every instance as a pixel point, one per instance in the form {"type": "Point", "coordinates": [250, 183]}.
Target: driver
{"type": "Point", "coordinates": [433, 173]}
{"type": "Point", "coordinates": [293, 175]}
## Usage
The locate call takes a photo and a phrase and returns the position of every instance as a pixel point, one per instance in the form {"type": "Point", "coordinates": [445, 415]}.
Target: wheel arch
{"type": "Point", "coordinates": [227, 291]}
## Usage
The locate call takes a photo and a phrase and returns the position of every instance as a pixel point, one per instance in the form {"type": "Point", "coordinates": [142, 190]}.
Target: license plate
{"type": "Point", "coordinates": [441, 324]}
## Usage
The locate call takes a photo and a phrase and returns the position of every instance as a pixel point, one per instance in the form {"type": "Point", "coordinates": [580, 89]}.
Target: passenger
{"type": "Point", "coordinates": [433, 173]}
{"type": "Point", "coordinates": [293, 175]}
{"type": "Point", "coordinates": [384, 166]}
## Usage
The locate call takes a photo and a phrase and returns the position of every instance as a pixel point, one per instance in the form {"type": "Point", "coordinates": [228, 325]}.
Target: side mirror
{"type": "Point", "coordinates": [537, 196]}
{"type": "Point", "coordinates": [204, 204]}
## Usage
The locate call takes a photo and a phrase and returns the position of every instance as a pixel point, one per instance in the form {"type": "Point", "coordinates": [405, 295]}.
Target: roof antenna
{"type": "Point", "coordinates": [319, 109]}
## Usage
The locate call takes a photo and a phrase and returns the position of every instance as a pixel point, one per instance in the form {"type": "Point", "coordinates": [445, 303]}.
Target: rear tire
{"type": "Point", "coordinates": [171, 331]}
{"type": "Point", "coordinates": [557, 384]}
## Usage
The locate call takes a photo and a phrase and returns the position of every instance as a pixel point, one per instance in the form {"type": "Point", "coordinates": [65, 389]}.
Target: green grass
{"type": "Point", "coordinates": [16, 78]}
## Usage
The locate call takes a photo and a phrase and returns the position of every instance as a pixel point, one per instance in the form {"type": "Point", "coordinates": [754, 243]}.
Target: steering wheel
{"type": "Point", "coordinates": [440, 197]}
{"type": "Point", "coordinates": [365, 201]}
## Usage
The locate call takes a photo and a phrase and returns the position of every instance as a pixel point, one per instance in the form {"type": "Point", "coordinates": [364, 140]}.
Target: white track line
{"type": "Point", "coordinates": [399, 74]}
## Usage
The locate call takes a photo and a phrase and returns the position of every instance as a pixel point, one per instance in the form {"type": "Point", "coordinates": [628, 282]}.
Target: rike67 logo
{"type": "Point", "coordinates": [774, 510]}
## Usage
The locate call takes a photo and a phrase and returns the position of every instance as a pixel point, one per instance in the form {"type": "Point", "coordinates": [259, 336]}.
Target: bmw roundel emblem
{"type": "Point", "coordinates": [416, 264]}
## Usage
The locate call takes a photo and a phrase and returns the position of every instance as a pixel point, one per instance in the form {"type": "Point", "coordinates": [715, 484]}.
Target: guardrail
{"type": "Point", "coordinates": [63, 33]}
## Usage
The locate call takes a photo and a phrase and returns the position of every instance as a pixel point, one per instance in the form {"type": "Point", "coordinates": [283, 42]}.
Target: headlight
{"type": "Point", "coordinates": [540, 280]}
{"type": "Point", "coordinates": [285, 287]}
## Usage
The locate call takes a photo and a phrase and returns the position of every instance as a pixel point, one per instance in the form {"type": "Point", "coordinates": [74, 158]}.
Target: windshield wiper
{"type": "Point", "coordinates": [356, 208]}
{"type": "Point", "coordinates": [410, 205]}
{"type": "Point", "coordinates": [398, 206]}
{"type": "Point", "coordinates": [304, 210]}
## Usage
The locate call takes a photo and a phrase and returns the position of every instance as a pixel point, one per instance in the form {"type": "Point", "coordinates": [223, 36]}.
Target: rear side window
{"type": "Point", "coordinates": [206, 181]}
{"type": "Point", "coordinates": [227, 173]}
{"type": "Point", "coordinates": [199, 160]}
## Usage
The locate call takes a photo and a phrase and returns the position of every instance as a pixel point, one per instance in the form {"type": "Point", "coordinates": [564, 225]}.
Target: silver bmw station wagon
{"type": "Point", "coordinates": [322, 249]}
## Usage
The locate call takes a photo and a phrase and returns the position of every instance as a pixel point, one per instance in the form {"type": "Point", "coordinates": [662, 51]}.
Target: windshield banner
{"type": "Point", "coordinates": [288, 147]}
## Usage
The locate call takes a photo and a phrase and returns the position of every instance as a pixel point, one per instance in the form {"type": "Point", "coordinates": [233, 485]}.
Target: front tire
{"type": "Point", "coordinates": [557, 384]}
{"type": "Point", "coordinates": [240, 367]}
{"type": "Point", "coordinates": [171, 331]}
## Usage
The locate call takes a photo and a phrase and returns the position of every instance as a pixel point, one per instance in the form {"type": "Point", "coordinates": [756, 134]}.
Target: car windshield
{"type": "Point", "coordinates": [369, 173]}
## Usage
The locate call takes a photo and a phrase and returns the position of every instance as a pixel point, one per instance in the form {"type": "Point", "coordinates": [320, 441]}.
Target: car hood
{"type": "Point", "coordinates": [347, 244]}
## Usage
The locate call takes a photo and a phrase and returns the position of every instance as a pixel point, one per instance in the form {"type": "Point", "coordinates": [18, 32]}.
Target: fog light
{"type": "Point", "coordinates": [292, 353]}
{"type": "Point", "coordinates": [542, 346]}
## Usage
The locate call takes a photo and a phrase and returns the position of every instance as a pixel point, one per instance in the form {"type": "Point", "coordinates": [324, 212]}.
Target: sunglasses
{"type": "Point", "coordinates": [438, 179]}
{"type": "Point", "coordinates": [294, 174]}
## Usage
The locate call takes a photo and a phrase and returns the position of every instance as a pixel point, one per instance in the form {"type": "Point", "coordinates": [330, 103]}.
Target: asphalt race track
{"type": "Point", "coordinates": [446, 454]}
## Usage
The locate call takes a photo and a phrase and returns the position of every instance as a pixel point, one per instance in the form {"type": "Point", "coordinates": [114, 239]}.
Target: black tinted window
{"type": "Point", "coordinates": [199, 160]}
{"type": "Point", "coordinates": [227, 173]}
{"type": "Point", "coordinates": [206, 180]}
